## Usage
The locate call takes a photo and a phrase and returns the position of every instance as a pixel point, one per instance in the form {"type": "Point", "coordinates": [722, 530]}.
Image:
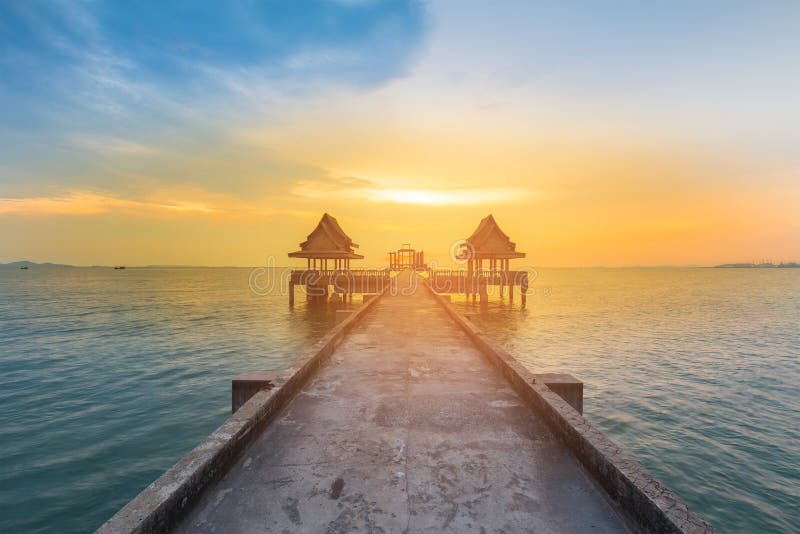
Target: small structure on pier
{"type": "Point", "coordinates": [327, 242]}
{"type": "Point", "coordinates": [328, 251]}
{"type": "Point", "coordinates": [487, 243]}
{"type": "Point", "coordinates": [407, 258]}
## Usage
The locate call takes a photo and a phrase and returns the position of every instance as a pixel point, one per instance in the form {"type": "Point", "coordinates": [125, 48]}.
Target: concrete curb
{"type": "Point", "coordinates": [647, 502]}
{"type": "Point", "coordinates": [160, 506]}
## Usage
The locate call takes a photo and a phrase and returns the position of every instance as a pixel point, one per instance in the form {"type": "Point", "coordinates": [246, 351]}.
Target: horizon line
{"type": "Point", "coordinates": [52, 264]}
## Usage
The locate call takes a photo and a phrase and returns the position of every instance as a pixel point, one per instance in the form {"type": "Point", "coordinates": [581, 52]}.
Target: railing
{"type": "Point", "coordinates": [341, 272]}
{"type": "Point", "coordinates": [342, 280]}
{"type": "Point", "coordinates": [460, 281]}
{"type": "Point", "coordinates": [507, 277]}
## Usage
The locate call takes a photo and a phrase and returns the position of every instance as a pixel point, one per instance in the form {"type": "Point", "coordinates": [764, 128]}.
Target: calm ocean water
{"type": "Point", "coordinates": [108, 377]}
{"type": "Point", "coordinates": [694, 372]}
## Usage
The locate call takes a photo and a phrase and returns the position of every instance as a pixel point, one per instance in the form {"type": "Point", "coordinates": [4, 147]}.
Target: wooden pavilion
{"type": "Point", "coordinates": [407, 258]}
{"type": "Point", "coordinates": [487, 243]}
{"type": "Point", "coordinates": [328, 251]}
{"type": "Point", "coordinates": [327, 242]}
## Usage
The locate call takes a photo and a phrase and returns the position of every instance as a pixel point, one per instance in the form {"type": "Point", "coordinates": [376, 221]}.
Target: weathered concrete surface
{"type": "Point", "coordinates": [162, 504]}
{"type": "Point", "coordinates": [649, 504]}
{"type": "Point", "coordinates": [565, 386]}
{"type": "Point", "coordinates": [245, 385]}
{"type": "Point", "coordinates": [406, 428]}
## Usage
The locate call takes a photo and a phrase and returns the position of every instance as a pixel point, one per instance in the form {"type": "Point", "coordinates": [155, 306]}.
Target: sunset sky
{"type": "Point", "coordinates": [597, 133]}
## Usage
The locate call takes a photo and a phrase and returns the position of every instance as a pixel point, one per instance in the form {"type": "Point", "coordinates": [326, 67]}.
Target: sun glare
{"type": "Point", "coordinates": [445, 197]}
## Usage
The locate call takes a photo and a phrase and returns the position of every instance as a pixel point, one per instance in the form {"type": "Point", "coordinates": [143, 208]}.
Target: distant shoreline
{"type": "Point", "coordinates": [790, 265]}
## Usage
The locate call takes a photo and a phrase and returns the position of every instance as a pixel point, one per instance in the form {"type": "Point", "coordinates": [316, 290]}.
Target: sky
{"type": "Point", "coordinates": [217, 133]}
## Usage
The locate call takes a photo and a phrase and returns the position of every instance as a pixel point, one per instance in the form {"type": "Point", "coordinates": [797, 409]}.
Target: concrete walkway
{"type": "Point", "coordinates": [406, 429]}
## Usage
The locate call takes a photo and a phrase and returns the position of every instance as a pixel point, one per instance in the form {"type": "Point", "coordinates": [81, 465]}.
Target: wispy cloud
{"type": "Point", "coordinates": [116, 57]}
{"type": "Point", "coordinates": [113, 145]}
{"type": "Point", "coordinates": [89, 203]}
{"type": "Point", "coordinates": [124, 79]}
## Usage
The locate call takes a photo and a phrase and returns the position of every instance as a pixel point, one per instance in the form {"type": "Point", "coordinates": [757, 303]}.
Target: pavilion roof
{"type": "Point", "coordinates": [327, 240]}
{"type": "Point", "coordinates": [489, 241]}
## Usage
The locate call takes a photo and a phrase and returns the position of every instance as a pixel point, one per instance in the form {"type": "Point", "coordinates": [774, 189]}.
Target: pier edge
{"type": "Point", "coordinates": [649, 504]}
{"type": "Point", "coordinates": [164, 502]}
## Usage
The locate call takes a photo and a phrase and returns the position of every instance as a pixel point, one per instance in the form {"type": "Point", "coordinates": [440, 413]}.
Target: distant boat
{"type": "Point", "coordinates": [24, 267]}
{"type": "Point", "coordinates": [118, 267]}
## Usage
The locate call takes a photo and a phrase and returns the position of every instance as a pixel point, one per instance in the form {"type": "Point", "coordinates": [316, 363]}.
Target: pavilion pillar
{"type": "Point", "coordinates": [478, 278]}
{"type": "Point", "coordinates": [473, 279]}
{"type": "Point", "coordinates": [523, 289]}
{"type": "Point", "coordinates": [291, 293]}
{"type": "Point", "coordinates": [468, 285]}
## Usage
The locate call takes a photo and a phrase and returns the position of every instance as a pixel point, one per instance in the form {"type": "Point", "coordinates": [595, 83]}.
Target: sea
{"type": "Point", "coordinates": [107, 377]}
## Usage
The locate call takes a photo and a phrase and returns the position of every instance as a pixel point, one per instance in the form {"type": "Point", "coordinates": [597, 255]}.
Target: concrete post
{"type": "Point", "coordinates": [248, 384]}
{"type": "Point", "coordinates": [565, 386]}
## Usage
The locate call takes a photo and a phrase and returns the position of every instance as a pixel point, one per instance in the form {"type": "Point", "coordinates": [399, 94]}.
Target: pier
{"type": "Point", "coordinates": [406, 418]}
{"type": "Point", "coordinates": [406, 429]}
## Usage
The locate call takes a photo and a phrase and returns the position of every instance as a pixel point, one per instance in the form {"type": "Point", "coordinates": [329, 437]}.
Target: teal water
{"type": "Point", "coordinates": [108, 377]}
{"type": "Point", "coordinates": [694, 372]}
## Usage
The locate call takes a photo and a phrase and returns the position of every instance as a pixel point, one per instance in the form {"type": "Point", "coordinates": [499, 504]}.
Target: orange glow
{"type": "Point", "coordinates": [443, 197]}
